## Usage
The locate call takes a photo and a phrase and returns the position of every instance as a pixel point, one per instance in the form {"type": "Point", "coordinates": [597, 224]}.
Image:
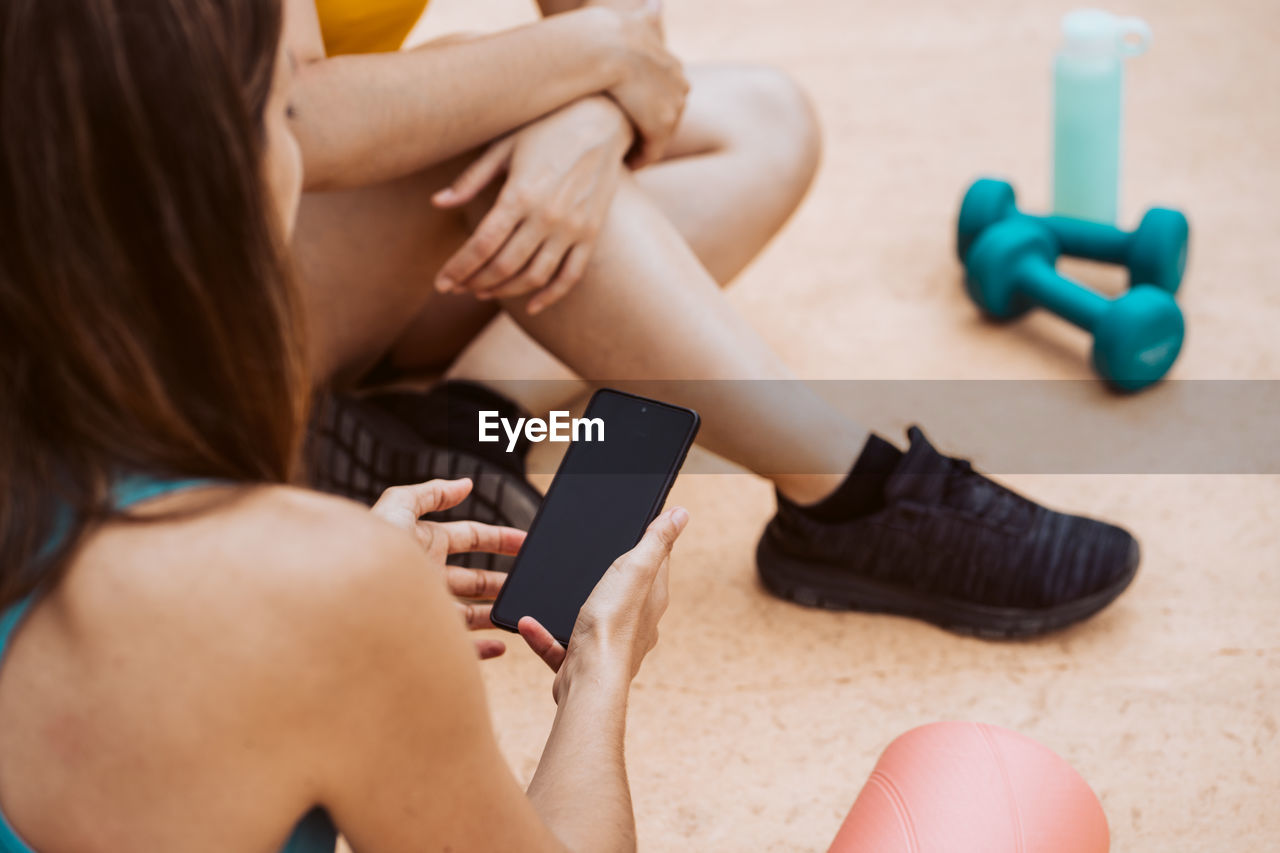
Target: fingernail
{"type": "Point", "coordinates": [680, 516]}
{"type": "Point", "coordinates": [443, 284]}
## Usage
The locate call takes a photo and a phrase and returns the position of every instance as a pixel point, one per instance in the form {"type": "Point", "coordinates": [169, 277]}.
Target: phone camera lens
{"type": "Point", "coordinates": [644, 409]}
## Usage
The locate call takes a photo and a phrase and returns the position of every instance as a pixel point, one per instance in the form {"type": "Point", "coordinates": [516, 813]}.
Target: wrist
{"type": "Point", "coordinates": [594, 670]}
{"type": "Point", "coordinates": [609, 118]}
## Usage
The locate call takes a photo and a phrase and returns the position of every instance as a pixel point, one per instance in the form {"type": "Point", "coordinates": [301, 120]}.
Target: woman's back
{"type": "Point", "coordinates": [148, 701]}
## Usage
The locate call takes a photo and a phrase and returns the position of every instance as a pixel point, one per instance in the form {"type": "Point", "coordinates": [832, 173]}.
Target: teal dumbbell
{"type": "Point", "coordinates": [1155, 253]}
{"type": "Point", "coordinates": [1136, 338]}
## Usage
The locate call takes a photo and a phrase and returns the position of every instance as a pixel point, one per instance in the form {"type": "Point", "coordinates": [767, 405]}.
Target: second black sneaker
{"type": "Point", "coordinates": [360, 445]}
{"type": "Point", "coordinates": [953, 548]}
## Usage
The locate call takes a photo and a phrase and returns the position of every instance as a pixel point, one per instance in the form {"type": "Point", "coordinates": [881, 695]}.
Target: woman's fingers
{"type": "Point", "coordinates": [477, 584]}
{"type": "Point", "coordinates": [475, 616]}
{"type": "Point", "coordinates": [489, 648]}
{"type": "Point", "coordinates": [510, 260]}
{"type": "Point", "coordinates": [486, 241]}
{"type": "Point", "coordinates": [480, 173]}
{"type": "Point", "coordinates": [465, 537]}
{"type": "Point", "coordinates": [536, 274]}
{"type": "Point", "coordinates": [404, 505]}
{"type": "Point", "coordinates": [540, 640]}
{"type": "Point", "coordinates": [571, 272]}
{"type": "Point", "coordinates": [632, 576]}
{"type": "Point", "coordinates": [655, 547]}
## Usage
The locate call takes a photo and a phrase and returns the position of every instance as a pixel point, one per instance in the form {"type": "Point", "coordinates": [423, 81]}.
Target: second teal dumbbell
{"type": "Point", "coordinates": [1136, 338]}
{"type": "Point", "coordinates": [1155, 253]}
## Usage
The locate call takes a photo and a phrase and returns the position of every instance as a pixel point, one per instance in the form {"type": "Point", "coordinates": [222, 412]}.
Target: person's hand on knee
{"type": "Point", "coordinates": [561, 175]}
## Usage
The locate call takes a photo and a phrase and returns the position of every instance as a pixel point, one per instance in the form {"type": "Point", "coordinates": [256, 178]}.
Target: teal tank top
{"type": "Point", "coordinates": [315, 833]}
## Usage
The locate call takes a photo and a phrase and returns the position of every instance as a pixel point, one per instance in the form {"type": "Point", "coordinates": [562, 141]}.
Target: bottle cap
{"type": "Point", "coordinates": [1093, 32]}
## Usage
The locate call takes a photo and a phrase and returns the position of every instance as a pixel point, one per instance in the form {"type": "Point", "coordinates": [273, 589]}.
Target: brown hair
{"type": "Point", "coordinates": [148, 323]}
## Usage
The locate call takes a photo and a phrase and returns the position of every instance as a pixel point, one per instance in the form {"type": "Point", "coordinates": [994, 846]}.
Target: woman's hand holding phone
{"type": "Point", "coordinates": [404, 507]}
{"type": "Point", "coordinates": [618, 625]}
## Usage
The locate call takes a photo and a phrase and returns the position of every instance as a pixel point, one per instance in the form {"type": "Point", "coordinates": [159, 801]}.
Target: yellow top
{"type": "Point", "coordinates": [367, 26]}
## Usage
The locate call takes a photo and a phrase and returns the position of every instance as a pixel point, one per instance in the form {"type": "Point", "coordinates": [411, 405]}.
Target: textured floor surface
{"type": "Point", "coordinates": [755, 722]}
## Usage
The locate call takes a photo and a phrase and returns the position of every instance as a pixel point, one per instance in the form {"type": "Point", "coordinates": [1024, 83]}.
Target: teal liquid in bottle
{"type": "Point", "coordinates": [1088, 108]}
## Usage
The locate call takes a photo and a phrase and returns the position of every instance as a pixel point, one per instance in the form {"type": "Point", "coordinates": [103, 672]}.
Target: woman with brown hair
{"type": "Point", "coordinates": [195, 654]}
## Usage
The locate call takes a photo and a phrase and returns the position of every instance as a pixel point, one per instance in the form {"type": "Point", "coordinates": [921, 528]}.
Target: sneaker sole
{"type": "Point", "coordinates": [798, 581]}
{"type": "Point", "coordinates": [358, 452]}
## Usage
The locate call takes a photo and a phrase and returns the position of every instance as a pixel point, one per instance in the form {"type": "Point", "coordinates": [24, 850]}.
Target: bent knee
{"type": "Point", "coordinates": [781, 119]}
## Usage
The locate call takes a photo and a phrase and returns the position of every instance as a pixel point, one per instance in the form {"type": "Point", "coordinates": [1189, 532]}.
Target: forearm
{"type": "Point", "coordinates": [369, 118]}
{"type": "Point", "coordinates": [580, 788]}
{"type": "Point", "coordinates": [555, 7]}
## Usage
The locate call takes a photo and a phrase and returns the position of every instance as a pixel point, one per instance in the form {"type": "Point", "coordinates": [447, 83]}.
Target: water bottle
{"type": "Point", "coordinates": [1088, 102]}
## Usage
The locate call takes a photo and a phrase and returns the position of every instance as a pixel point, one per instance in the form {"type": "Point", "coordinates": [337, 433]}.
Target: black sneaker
{"type": "Point", "coordinates": [953, 548]}
{"type": "Point", "coordinates": [360, 445]}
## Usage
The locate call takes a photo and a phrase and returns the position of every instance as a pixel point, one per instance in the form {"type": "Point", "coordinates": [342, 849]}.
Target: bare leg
{"type": "Point", "coordinates": [367, 259]}
{"type": "Point", "coordinates": [648, 310]}
{"type": "Point", "coordinates": [742, 160]}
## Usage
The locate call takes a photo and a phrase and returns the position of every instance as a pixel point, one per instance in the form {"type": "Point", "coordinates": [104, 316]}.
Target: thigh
{"type": "Point", "coordinates": [366, 259]}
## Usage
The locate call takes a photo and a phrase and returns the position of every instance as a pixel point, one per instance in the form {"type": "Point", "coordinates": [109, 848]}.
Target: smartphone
{"type": "Point", "coordinates": [613, 481]}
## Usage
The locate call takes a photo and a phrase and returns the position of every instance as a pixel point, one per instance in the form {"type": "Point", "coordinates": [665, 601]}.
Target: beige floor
{"type": "Point", "coordinates": [755, 722]}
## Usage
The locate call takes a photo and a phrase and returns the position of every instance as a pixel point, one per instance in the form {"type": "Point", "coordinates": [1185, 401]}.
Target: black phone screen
{"type": "Point", "coordinates": [603, 497]}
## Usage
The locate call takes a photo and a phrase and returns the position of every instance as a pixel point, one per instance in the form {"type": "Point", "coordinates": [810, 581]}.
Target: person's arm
{"type": "Point", "coordinates": [556, 7]}
{"type": "Point", "coordinates": [615, 629]}
{"type": "Point", "coordinates": [368, 118]}
{"type": "Point", "coordinates": [401, 750]}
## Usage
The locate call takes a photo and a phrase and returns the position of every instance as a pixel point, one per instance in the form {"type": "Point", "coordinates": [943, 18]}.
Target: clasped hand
{"type": "Point", "coordinates": [561, 173]}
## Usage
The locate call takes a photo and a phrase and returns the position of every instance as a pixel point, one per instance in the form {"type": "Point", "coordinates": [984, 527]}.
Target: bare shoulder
{"type": "Point", "coordinates": [260, 537]}
{"type": "Point", "coordinates": [268, 579]}
{"type": "Point", "coordinates": [238, 639]}
{"type": "Point", "coordinates": [305, 538]}
{"type": "Point", "coordinates": [331, 560]}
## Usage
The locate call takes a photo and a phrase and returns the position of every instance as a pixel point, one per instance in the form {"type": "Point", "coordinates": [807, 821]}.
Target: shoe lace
{"type": "Point", "coordinates": [974, 493]}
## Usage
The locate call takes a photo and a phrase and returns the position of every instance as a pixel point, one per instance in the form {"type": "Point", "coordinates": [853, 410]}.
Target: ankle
{"type": "Point", "coordinates": [861, 491]}
{"type": "Point", "coordinates": [806, 489]}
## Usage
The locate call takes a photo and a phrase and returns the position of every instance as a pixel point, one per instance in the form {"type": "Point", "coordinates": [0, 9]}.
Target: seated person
{"type": "Point", "coordinates": [551, 184]}
{"type": "Point", "coordinates": [196, 655]}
